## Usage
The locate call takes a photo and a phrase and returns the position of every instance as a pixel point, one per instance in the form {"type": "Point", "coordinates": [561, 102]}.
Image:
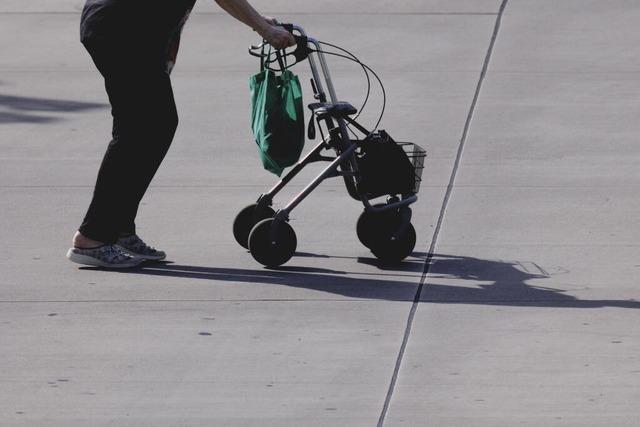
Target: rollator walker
{"type": "Point", "coordinates": [373, 167]}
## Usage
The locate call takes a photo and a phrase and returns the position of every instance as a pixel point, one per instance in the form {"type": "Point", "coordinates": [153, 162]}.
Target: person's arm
{"type": "Point", "coordinates": [278, 37]}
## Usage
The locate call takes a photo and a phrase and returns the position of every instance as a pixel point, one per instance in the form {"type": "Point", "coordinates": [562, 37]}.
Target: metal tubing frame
{"type": "Point", "coordinates": [331, 170]}
{"type": "Point", "coordinates": [312, 156]}
{"type": "Point", "coordinates": [327, 77]}
{"type": "Point", "coordinates": [345, 156]}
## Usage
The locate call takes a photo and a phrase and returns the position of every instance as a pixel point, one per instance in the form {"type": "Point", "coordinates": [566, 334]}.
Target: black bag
{"type": "Point", "coordinates": [384, 167]}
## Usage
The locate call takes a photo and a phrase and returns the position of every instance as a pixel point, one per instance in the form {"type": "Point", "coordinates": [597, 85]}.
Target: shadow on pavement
{"type": "Point", "coordinates": [19, 109]}
{"type": "Point", "coordinates": [477, 281]}
{"type": "Point", "coordinates": [498, 282]}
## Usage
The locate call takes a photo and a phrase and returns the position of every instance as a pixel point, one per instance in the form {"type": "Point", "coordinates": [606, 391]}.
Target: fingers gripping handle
{"type": "Point", "coordinates": [286, 26]}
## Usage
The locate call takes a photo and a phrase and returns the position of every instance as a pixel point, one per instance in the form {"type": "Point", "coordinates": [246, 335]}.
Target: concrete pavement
{"type": "Point", "coordinates": [527, 314]}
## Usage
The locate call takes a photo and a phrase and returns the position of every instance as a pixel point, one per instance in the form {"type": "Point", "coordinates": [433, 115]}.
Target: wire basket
{"type": "Point", "coordinates": [416, 155]}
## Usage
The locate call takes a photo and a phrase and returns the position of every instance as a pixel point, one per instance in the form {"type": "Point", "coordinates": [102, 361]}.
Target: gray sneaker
{"type": "Point", "coordinates": [137, 247]}
{"type": "Point", "coordinates": [108, 256]}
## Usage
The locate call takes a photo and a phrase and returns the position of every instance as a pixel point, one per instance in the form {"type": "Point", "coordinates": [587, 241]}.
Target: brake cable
{"type": "Point", "coordinates": [303, 50]}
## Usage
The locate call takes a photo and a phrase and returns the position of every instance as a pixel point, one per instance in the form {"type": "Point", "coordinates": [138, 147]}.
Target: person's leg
{"type": "Point", "coordinates": [144, 122]}
{"type": "Point", "coordinates": [155, 126]}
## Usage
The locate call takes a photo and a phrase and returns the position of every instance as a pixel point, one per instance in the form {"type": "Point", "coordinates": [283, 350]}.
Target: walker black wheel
{"type": "Point", "coordinates": [391, 249]}
{"type": "Point", "coordinates": [246, 219]}
{"type": "Point", "coordinates": [272, 242]}
{"type": "Point", "coordinates": [370, 223]}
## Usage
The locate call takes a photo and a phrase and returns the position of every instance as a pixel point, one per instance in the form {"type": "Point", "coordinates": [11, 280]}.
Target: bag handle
{"type": "Point", "coordinates": [265, 58]}
{"type": "Point", "coordinates": [301, 52]}
{"type": "Point", "coordinates": [282, 60]}
{"type": "Point", "coordinates": [262, 56]}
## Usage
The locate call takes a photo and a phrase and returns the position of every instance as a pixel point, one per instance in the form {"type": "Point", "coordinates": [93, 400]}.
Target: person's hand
{"type": "Point", "coordinates": [276, 36]}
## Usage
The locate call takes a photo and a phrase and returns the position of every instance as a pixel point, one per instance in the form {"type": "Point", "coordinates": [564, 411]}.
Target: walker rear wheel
{"type": "Point", "coordinates": [246, 219]}
{"type": "Point", "coordinates": [272, 242]}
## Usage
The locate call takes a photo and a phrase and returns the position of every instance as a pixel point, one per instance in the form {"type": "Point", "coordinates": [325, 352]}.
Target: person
{"type": "Point", "coordinates": [134, 44]}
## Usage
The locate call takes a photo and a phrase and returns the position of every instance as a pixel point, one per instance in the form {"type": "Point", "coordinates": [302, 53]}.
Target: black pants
{"type": "Point", "coordinates": [144, 123]}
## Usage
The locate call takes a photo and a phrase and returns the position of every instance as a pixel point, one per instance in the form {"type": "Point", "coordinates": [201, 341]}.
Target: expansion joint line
{"type": "Point", "coordinates": [445, 202]}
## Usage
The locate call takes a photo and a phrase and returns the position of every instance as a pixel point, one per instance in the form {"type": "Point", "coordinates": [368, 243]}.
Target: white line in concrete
{"type": "Point", "coordinates": [443, 209]}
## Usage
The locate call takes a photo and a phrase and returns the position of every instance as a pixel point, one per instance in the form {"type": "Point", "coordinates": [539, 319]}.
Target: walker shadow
{"type": "Point", "coordinates": [477, 281]}
{"type": "Point", "coordinates": [20, 109]}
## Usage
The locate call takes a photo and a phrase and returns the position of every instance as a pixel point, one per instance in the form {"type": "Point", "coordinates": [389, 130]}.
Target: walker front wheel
{"type": "Point", "coordinates": [370, 223]}
{"type": "Point", "coordinates": [272, 242]}
{"type": "Point", "coordinates": [391, 245]}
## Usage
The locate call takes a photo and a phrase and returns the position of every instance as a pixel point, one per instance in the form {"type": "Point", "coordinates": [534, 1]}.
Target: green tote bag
{"type": "Point", "coordinates": [277, 118]}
